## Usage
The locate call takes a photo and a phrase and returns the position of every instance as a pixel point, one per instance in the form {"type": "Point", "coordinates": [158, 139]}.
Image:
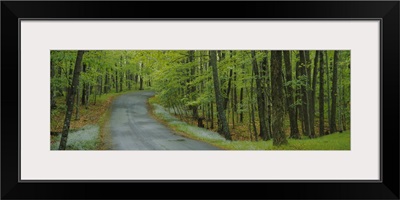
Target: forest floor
{"type": "Point", "coordinates": [336, 141]}
{"type": "Point", "coordinates": [90, 130]}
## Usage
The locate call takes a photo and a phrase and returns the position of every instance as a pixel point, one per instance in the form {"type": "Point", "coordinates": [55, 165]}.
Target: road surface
{"type": "Point", "coordinates": [132, 128]}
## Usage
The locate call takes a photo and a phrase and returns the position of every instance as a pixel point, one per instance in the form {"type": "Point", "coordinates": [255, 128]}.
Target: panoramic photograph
{"type": "Point", "coordinates": [200, 100]}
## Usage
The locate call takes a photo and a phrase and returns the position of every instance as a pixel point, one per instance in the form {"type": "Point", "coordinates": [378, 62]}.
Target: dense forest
{"type": "Point", "coordinates": [246, 95]}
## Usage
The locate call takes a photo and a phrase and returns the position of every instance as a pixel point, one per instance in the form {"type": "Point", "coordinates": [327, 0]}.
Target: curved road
{"type": "Point", "coordinates": [132, 128]}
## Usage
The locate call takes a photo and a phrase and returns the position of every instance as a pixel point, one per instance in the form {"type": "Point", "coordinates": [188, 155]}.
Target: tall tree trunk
{"type": "Point", "coordinates": [339, 97]}
{"type": "Point", "coordinates": [304, 90]}
{"type": "Point", "coordinates": [299, 94]}
{"type": "Point", "coordinates": [212, 115]}
{"type": "Point", "coordinates": [260, 99]}
{"type": "Point", "coordinates": [218, 97]}
{"type": "Point", "coordinates": [294, 130]}
{"type": "Point", "coordinates": [226, 99]}
{"type": "Point", "coordinates": [141, 83]}
{"type": "Point", "coordinates": [313, 93]}
{"type": "Point", "coordinates": [192, 88]}
{"type": "Point", "coordinates": [278, 134]}
{"type": "Point", "coordinates": [251, 105]}
{"type": "Point", "coordinates": [53, 104]}
{"type": "Point", "coordinates": [106, 82]}
{"type": "Point", "coordinates": [327, 87]}
{"type": "Point", "coordinates": [241, 99]}
{"type": "Point", "coordinates": [116, 80]}
{"type": "Point", "coordinates": [70, 100]}
{"type": "Point", "coordinates": [84, 86]}
{"type": "Point", "coordinates": [334, 92]}
{"type": "Point", "coordinates": [121, 81]}
{"type": "Point", "coordinates": [234, 101]}
{"type": "Point", "coordinates": [265, 84]}
{"type": "Point", "coordinates": [321, 93]}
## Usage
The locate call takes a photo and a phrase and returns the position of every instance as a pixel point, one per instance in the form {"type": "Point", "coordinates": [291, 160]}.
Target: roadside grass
{"type": "Point", "coordinates": [82, 139]}
{"type": "Point", "coordinates": [336, 141]}
{"type": "Point", "coordinates": [91, 130]}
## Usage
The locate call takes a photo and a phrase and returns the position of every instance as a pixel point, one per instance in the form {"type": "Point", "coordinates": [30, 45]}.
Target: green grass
{"type": "Point", "coordinates": [82, 139]}
{"type": "Point", "coordinates": [336, 141]}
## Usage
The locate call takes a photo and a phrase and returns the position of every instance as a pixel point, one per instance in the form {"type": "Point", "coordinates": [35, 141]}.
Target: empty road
{"type": "Point", "coordinates": [132, 128]}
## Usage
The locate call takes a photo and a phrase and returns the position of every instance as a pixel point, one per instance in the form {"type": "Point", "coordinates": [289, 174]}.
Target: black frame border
{"type": "Point", "coordinates": [385, 11]}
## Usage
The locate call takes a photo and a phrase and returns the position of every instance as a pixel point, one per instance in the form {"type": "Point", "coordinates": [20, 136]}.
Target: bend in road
{"type": "Point", "coordinates": [132, 128]}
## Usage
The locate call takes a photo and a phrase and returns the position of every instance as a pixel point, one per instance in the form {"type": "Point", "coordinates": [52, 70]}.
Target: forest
{"type": "Point", "coordinates": [276, 97]}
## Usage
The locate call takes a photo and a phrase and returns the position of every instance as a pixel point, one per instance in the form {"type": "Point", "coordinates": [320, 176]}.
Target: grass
{"type": "Point", "coordinates": [336, 141]}
{"type": "Point", "coordinates": [82, 135]}
{"type": "Point", "coordinates": [82, 139]}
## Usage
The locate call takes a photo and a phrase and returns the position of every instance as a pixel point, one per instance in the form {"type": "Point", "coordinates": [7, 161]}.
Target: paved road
{"type": "Point", "coordinates": [133, 129]}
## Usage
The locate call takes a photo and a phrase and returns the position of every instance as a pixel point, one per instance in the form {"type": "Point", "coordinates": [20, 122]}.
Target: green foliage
{"type": "Point", "coordinates": [184, 82]}
{"type": "Point", "coordinates": [336, 141]}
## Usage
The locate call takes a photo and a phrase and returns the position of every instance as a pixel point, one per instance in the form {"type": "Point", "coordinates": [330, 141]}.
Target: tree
{"type": "Point", "coordinates": [291, 107]}
{"type": "Point", "coordinates": [70, 100]}
{"type": "Point", "coordinates": [334, 92]}
{"type": "Point", "coordinates": [218, 98]}
{"type": "Point", "coordinates": [304, 90]}
{"type": "Point", "coordinates": [278, 135]}
{"type": "Point", "coordinates": [321, 93]}
{"type": "Point", "coordinates": [260, 99]}
{"type": "Point", "coordinates": [313, 93]}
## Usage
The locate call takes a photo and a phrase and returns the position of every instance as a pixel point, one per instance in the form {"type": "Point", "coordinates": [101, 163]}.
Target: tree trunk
{"type": "Point", "coordinates": [70, 102]}
{"type": "Point", "coordinates": [241, 100]}
{"type": "Point", "coordinates": [327, 86]}
{"type": "Point", "coordinates": [304, 90]}
{"type": "Point", "coordinates": [265, 92]}
{"type": "Point", "coordinates": [141, 83]}
{"type": "Point", "coordinates": [313, 93]}
{"type": "Point", "coordinates": [321, 93]}
{"type": "Point", "coordinates": [106, 83]}
{"type": "Point", "coordinates": [212, 115]}
{"type": "Point", "coordinates": [278, 134]}
{"type": "Point", "coordinates": [77, 103]}
{"type": "Point", "coordinates": [226, 99]}
{"type": "Point", "coordinates": [84, 86]}
{"type": "Point", "coordinates": [116, 80]}
{"type": "Point", "coordinates": [334, 92]}
{"type": "Point", "coordinates": [260, 99]}
{"type": "Point", "coordinates": [53, 104]}
{"type": "Point", "coordinates": [251, 106]}
{"type": "Point", "coordinates": [218, 98]}
{"type": "Point", "coordinates": [121, 80]}
{"type": "Point", "coordinates": [192, 88]}
{"type": "Point", "coordinates": [294, 130]}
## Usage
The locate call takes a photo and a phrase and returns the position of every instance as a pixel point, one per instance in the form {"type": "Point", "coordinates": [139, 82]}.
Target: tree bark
{"type": "Point", "coordinates": [294, 130]}
{"type": "Point", "coordinates": [106, 82]}
{"type": "Point", "coordinates": [226, 99]}
{"type": "Point", "coordinates": [278, 134]}
{"type": "Point", "coordinates": [241, 100]}
{"type": "Point", "coordinates": [334, 92]}
{"type": "Point", "coordinates": [70, 101]}
{"type": "Point", "coordinates": [260, 99]}
{"type": "Point", "coordinates": [53, 104]}
{"type": "Point", "coordinates": [304, 90]}
{"type": "Point", "coordinates": [116, 80]}
{"type": "Point", "coordinates": [328, 88]}
{"type": "Point", "coordinates": [321, 93]}
{"type": "Point", "coordinates": [218, 98]}
{"type": "Point", "coordinates": [84, 86]}
{"type": "Point", "coordinates": [313, 93]}
{"type": "Point", "coordinates": [141, 83]}
{"type": "Point", "coordinates": [251, 105]}
{"type": "Point", "coordinates": [195, 113]}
